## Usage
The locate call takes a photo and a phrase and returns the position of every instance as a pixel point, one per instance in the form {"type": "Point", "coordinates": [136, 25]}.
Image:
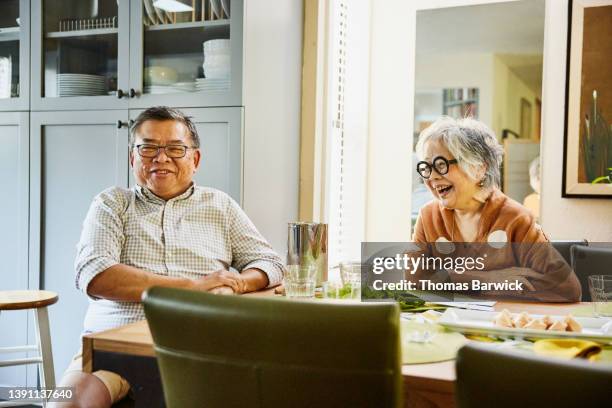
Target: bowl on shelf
{"type": "Point", "coordinates": [158, 75]}
{"type": "Point", "coordinates": [217, 45]}
{"type": "Point", "coordinates": [215, 72]}
{"type": "Point", "coordinates": [217, 59]}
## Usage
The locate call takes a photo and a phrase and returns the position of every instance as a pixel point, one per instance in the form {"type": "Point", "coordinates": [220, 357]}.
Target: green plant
{"type": "Point", "coordinates": [604, 179]}
{"type": "Point", "coordinates": [596, 145]}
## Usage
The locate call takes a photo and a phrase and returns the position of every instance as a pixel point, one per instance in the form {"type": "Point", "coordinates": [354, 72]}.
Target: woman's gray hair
{"type": "Point", "coordinates": [471, 142]}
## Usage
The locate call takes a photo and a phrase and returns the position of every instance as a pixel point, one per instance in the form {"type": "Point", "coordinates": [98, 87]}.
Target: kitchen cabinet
{"type": "Point", "coordinates": [14, 238]}
{"type": "Point", "coordinates": [73, 157]}
{"type": "Point", "coordinates": [15, 55]}
{"type": "Point", "coordinates": [80, 71]}
{"type": "Point", "coordinates": [108, 54]}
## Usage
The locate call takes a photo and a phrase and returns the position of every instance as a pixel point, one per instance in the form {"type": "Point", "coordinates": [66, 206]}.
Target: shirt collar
{"type": "Point", "coordinates": [150, 196]}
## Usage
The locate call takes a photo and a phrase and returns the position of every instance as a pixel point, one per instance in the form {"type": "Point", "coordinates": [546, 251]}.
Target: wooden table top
{"type": "Point", "coordinates": [136, 339]}
{"type": "Point", "coordinates": [26, 299]}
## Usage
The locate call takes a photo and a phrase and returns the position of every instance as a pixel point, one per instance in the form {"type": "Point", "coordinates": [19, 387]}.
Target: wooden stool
{"type": "Point", "coordinates": [39, 300]}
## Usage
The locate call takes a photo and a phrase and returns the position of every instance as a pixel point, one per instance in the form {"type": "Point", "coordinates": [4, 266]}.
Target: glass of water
{"type": "Point", "coordinates": [300, 280]}
{"type": "Point", "coordinates": [350, 272]}
{"type": "Point", "coordinates": [600, 287]}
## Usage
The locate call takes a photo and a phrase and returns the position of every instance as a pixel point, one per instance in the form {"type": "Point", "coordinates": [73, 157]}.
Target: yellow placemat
{"type": "Point", "coordinates": [583, 311]}
{"type": "Point", "coordinates": [443, 346]}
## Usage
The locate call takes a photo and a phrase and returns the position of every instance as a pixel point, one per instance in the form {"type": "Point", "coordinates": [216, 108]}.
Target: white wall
{"type": "Point", "coordinates": [461, 70]}
{"type": "Point", "coordinates": [272, 81]}
{"type": "Point", "coordinates": [391, 121]}
{"type": "Point", "coordinates": [563, 218]}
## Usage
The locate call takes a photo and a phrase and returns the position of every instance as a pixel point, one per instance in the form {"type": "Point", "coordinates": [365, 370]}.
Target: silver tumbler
{"type": "Point", "coordinates": [307, 244]}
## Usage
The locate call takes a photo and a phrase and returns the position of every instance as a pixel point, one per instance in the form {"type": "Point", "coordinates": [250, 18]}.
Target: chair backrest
{"type": "Point", "coordinates": [237, 351]}
{"type": "Point", "coordinates": [492, 378]}
{"type": "Point", "coordinates": [587, 261]}
{"type": "Point", "coordinates": [564, 248]}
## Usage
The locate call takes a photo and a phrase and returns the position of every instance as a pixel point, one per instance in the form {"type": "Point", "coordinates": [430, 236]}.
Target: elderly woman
{"type": "Point", "coordinates": [459, 164]}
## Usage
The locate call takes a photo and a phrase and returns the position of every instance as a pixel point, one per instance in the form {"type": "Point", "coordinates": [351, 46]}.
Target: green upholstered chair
{"type": "Point", "coordinates": [502, 379]}
{"type": "Point", "coordinates": [587, 261]}
{"type": "Point", "coordinates": [240, 351]}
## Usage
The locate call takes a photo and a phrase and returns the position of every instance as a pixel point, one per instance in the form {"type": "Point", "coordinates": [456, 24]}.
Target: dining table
{"type": "Point", "coordinates": [129, 351]}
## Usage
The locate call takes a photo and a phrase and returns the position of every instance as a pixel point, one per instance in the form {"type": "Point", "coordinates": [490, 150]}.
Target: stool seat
{"type": "Point", "coordinates": [26, 299]}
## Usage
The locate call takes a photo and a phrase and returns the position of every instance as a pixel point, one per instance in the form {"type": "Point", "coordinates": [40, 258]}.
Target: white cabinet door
{"type": "Point", "coordinates": [14, 236]}
{"type": "Point", "coordinates": [74, 156]}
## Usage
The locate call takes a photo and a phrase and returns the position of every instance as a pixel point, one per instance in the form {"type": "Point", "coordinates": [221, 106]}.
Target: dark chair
{"type": "Point", "coordinates": [587, 261]}
{"type": "Point", "coordinates": [508, 379]}
{"type": "Point", "coordinates": [237, 351]}
{"type": "Point", "coordinates": [564, 248]}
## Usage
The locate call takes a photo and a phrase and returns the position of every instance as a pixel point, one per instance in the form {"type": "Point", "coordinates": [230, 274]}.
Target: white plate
{"type": "Point", "coordinates": [479, 322]}
{"type": "Point", "coordinates": [150, 12]}
{"type": "Point", "coordinates": [226, 7]}
{"type": "Point", "coordinates": [160, 13]}
{"type": "Point", "coordinates": [69, 74]}
{"type": "Point", "coordinates": [77, 83]}
{"type": "Point", "coordinates": [79, 78]}
{"type": "Point", "coordinates": [82, 94]}
{"type": "Point", "coordinates": [216, 8]}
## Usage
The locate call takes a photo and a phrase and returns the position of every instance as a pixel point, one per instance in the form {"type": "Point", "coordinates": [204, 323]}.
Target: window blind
{"type": "Point", "coordinates": [348, 127]}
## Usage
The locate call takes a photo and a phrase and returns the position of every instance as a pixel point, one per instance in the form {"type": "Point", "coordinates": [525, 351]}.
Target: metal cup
{"type": "Point", "coordinates": [307, 244]}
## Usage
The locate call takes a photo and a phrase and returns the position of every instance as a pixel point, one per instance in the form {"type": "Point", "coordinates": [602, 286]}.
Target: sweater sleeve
{"type": "Point", "coordinates": [557, 281]}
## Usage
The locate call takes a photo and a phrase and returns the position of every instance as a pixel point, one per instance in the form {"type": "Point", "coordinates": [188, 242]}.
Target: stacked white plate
{"type": "Point", "coordinates": [80, 85]}
{"type": "Point", "coordinates": [178, 87]}
{"type": "Point", "coordinates": [184, 86]}
{"type": "Point", "coordinates": [212, 84]}
{"type": "Point", "coordinates": [159, 89]}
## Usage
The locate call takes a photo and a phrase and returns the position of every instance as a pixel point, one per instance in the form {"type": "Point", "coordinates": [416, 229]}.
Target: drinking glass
{"type": "Point", "coordinates": [600, 287]}
{"type": "Point", "coordinates": [350, 272]}
{"type": "Point", "coordinates": [300, 280]}
{"type": "Point", "coordinates": [338, 290]}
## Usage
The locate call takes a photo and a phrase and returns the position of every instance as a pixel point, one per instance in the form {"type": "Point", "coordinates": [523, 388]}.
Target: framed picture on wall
{"type": "Point", "coordinates": [587, 164]}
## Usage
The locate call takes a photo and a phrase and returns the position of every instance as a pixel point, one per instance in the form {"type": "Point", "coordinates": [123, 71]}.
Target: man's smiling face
{"type": "Point", "coordinates": [164, 176]}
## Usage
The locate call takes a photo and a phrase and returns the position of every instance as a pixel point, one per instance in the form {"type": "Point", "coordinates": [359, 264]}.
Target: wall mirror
{"type": "Point", "coordinates": [485, 61]}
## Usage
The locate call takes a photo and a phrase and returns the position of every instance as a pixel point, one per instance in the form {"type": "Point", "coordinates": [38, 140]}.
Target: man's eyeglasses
{"type": "Point", "coordinates": [150, 151]}
{"type": "Point", "coordinates": [440, 164]}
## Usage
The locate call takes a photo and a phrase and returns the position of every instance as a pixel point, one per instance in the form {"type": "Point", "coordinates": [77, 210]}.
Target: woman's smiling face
{"type": "Point", "coordinates": [454, 189]}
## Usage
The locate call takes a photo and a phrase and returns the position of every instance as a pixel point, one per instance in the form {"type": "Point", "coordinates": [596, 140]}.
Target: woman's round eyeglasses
{"type": "Point", "coordinates": [439, 164]}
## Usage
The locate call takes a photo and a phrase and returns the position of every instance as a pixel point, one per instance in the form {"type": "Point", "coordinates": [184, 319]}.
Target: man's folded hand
{"type": "Point", "coordinates": [222, 290]}
{"type": "Point", "coordinates": [220, 279]}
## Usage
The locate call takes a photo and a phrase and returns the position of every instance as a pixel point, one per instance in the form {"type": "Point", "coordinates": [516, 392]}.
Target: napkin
{"type": "Point", "coordinates": [567, 348]}
{"type": "Point", "coordinates": [441, 345]}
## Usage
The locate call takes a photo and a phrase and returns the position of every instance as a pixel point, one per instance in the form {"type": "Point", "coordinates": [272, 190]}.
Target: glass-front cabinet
{"type": "Point", "coordinates": [14, 54]}
{"type": "Point", "coordinates": [189, 51]}
{"type": "Point", "coordinates": [110, 54]}
{"type": "Point", "coordinates": [83, 49]}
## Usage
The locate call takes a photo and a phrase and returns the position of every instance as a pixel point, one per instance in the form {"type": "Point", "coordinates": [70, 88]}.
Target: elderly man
{"type": "Point", "coordinates": [165, 231]}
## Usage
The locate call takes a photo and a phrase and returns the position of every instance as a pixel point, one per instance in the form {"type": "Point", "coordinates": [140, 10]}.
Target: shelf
{"type": "Point", "coordinates": [9, 34]}
{"type": "Point", "coordinates": [82, 33]}
{"type": "Point", "coordinates": [188, 25]}
{"type": "Point", "coordinates": [461, 102]}
{"type": "Point", "coordinates": [183, 38]}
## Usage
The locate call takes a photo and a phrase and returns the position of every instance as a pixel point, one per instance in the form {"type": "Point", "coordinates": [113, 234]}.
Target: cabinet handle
{"type": "Point", "coordinates": [120, 93]}
{"type": "Point", "coordinates": [121, 124]}
{"type": "Point", "coordinates": [132, 93]}
{"type": "Point", "coordinates": [131, 123]}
